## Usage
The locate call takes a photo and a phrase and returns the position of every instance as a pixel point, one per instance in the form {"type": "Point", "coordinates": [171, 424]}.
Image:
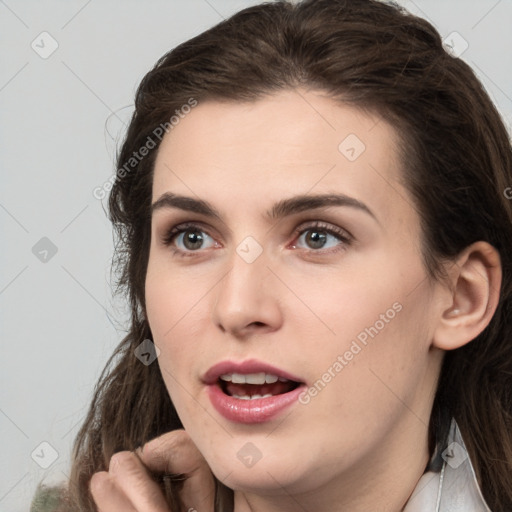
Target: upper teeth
{"type": "Point", "coordinates": [252, 378]}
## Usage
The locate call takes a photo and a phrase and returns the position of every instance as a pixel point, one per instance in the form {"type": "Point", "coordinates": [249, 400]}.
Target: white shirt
{"type": "Point", "coordinates": [455, 487]}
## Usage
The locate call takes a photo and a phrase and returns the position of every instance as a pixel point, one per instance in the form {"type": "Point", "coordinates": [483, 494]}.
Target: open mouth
{"type": "Point", "coordinates": [251, 391]}
{"type": "Point", "coordinates": [255, 385]}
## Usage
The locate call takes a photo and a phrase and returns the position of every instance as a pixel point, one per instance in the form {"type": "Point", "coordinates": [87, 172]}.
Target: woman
{"type": "Point", "coordinates": [316, 243]}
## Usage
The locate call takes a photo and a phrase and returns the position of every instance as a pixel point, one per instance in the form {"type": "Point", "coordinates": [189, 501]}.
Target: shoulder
{"type": "Point", "coordinates": [48, 499]}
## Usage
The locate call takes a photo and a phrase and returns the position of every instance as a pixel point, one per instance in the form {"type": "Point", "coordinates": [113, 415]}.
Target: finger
{"type": "Point", "coordinates": [107, 496]}
{"type": "Point", "coordinates": [175, 452]}
{"type": "Point", "coordinates": [132, 478]}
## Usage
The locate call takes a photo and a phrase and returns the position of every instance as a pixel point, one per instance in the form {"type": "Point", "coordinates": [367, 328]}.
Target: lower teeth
{"type": "Point", "coordinates": [253, 397]}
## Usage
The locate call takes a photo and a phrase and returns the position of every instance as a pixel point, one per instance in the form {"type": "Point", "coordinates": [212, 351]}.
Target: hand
{"type": "Point", "coordinates": [128, 485]}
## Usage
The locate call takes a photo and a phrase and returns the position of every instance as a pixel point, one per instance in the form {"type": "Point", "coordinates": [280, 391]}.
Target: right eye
{"type": "Point", "coordinates": [187, 238]}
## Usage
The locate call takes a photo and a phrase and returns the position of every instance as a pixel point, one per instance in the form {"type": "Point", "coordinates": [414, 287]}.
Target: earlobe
{"type": "Point", "coordinates": [475, 279]}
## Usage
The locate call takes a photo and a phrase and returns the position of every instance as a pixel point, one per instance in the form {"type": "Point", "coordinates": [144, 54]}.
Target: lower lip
{"type": "Point", "coordinates": [258, 410]}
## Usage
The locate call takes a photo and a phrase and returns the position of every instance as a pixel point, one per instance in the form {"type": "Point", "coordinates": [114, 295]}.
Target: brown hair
{"type": "Point", "coordinates": [457, 162]}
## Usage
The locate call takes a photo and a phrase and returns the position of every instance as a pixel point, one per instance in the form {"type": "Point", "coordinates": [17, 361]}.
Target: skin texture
{"type": "Point", "coordinates": [361, 443]}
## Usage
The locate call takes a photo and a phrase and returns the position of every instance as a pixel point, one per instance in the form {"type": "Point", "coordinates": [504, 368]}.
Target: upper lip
{"type": "Point", "coordinates": [245, 367]}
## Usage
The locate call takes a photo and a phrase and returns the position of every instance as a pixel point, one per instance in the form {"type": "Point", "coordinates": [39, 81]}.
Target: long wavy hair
{"type": "Point", "coordinates": [457, 161]}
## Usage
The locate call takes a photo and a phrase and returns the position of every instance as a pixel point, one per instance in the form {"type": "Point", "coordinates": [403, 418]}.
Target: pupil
{"type": "Point", "coordinates": [193, 240]}
{"type": "Point", "coordinates": [316, 239]}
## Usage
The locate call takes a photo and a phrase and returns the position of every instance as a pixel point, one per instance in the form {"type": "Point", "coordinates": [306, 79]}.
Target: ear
{"type": "Point", "coordinates": [470, 303]}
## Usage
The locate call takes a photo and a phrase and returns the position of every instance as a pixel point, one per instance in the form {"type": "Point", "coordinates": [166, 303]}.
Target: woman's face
{"type": "Point", "coordinates": [295, 257]}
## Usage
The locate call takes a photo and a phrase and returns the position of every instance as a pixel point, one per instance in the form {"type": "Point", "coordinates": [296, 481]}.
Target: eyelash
{"type": "Point", "coordinates": [342, 235]}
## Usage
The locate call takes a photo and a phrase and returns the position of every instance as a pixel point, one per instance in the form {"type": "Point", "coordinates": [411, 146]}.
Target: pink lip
{"type": "Point", "coordinates": [258, 410]}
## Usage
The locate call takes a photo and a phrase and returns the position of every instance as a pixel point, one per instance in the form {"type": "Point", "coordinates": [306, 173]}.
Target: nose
{"type": "Point", "coordinates": [247, 299]}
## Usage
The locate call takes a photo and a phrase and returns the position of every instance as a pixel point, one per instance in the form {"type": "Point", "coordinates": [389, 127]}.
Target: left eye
{"type": "Point", "coordinates": [320, 238]}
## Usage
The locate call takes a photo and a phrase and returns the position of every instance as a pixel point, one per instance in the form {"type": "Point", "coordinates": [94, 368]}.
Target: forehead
{"type": "Point", "coordinates": [288, 143]}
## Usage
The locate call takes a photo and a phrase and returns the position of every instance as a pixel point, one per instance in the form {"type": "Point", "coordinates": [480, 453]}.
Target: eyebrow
{"type": "Point", "coordinates": [281, 209]}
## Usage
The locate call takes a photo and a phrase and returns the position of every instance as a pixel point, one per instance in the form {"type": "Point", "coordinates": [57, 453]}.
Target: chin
{"type": "Point", "coordinates": [244, 469]}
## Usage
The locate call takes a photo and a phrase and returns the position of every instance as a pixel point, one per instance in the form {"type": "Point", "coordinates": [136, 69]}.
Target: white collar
{"type": "Point", "coordinates": [452, 489]}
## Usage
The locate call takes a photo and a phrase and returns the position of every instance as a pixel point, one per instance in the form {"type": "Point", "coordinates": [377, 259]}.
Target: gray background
{"type": "Point", "coordinates": [60, 119]}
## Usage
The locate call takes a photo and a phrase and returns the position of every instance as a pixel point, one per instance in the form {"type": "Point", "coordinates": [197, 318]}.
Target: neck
{"type": "Point", "coordinates": [384, 481]}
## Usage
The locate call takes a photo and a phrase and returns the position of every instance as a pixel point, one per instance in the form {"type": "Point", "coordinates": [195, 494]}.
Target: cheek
{"type": "Point", "coordinates": [358, 303]}
{"type": "Point", "coordinates": [172, 298]}
{"type": "Point", "coordinates": [167, 307]}
{"type": "Point", "coordinates": [177, 311]}
{"type": "Point", "coordinates": [375, 328]}
{"type": "Point", "coordinates": [378, 362]}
